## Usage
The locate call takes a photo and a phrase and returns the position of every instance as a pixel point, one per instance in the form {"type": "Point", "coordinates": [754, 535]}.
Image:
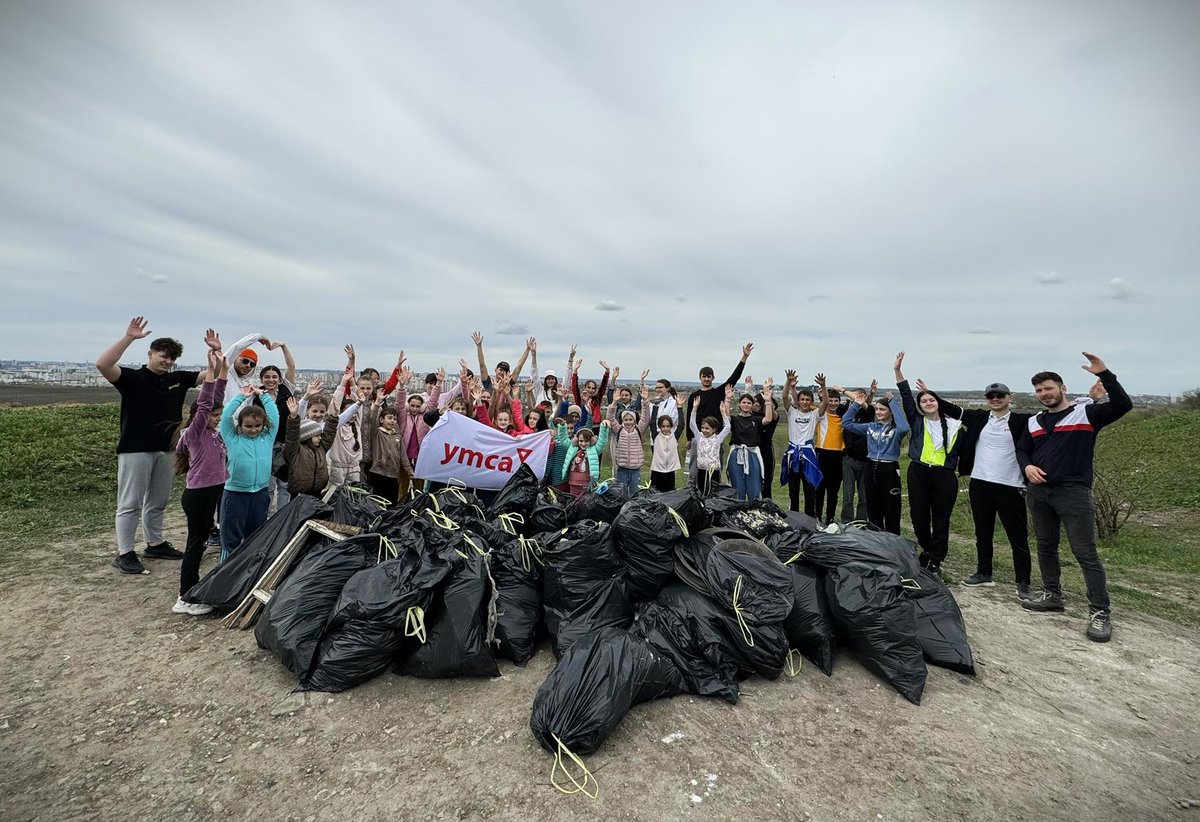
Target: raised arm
{"type": "Point", "coordinates": [737, 370]}
{"type": "Point", "coordinates": [108, 361]}
{"type": "Point", "coordinates": [1118, 404]}
{"type": "Point", "coordinates": [516, 372]}
{"type": "Point", "coordinates": [910, 407]}
{"type": "Point", "coordinates": [235, 350]}
{"type": "Point", "coordinates": [789, 388]}
{"type": "Point", "coordinates": [822, 393]}
{"type": "Point", "coordinates": [477, 338]}
{"type": "Point", "coordinates": [768, 404]}
{"type": "Point", "coordinates": [289, 364]}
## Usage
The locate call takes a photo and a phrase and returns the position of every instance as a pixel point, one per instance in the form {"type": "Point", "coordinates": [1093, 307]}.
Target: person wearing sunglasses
{"type": "Point", "coordinates": [243, 365]}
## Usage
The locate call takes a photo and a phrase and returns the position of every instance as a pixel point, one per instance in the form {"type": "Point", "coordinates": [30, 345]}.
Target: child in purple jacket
{"type": "Point", "coordinates": [200, 453]}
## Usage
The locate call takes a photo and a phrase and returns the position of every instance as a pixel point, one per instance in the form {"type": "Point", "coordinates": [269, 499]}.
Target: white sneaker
{"type": "Point", "coordinates": [190, 609]}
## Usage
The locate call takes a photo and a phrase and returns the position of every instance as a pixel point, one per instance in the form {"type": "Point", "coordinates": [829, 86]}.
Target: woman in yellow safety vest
{"type": "Point", "coordinates": [933, 449]}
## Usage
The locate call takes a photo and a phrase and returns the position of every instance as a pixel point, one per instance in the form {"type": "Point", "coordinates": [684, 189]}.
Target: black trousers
{"type": "Point", "coordinates": [662, 480]}
{"type": "Point", "coordinates": [200, 507]}
{"type": "Point", "coordinates": [883, 495]}
{"type": "Point", "coordinates": [830, 462]}
{"type": "Point", "coordinates": [386, 487]}
{"type": "Point", "coordinates": [989, 500]}
{"type": "Point", "coordinates": [767, 449]}
{"type": "Point", "coordinates": [932, 492]}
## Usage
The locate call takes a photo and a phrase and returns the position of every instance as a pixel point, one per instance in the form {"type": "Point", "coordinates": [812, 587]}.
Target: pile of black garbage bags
{"type": "Point", "coordinates": [641, 597]}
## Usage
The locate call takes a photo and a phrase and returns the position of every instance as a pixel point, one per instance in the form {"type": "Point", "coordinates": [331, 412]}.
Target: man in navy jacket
{"type": "Point", "coordinates": [1055, 453]}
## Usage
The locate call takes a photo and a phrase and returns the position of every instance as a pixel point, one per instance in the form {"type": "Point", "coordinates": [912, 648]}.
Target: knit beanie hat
{"type": "Point", "coordinates": [310, 429]}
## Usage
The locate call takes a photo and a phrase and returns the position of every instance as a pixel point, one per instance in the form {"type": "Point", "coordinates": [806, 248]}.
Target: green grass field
{"type": "Point", "coordinates": [59, 465]}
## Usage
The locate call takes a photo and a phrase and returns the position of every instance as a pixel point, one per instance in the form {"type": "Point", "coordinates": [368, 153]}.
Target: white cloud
{"type": "Point", "coordinates": [1118, 289]}
{"type": "Point", "coordinates": [1049, 278]}
{"type": "Point", "coordinates": [609, 305]}
{"type": "Point", "coordinates": [514, 329]}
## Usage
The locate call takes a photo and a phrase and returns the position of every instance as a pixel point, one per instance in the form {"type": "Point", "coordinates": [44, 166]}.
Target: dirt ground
{"type": "Point", "coordinates": [112, 707]}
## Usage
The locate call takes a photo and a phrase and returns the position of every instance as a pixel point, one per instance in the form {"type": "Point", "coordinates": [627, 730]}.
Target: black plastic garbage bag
{"type": "Point", "coordinates": [294, 619]}
{"type": "Point", "coordinates": [457, 503]}
{"type": "Point", "coordinates": [672, 630]}
{"type": "Point", "coordinates": [869, 547]}
{"type": "Point", "coordinates": [458, 625]}
{"type": "Point", "coordinates": [645, 533]}
{"type": "Point", "coordinates": [592, 688]}
{"type": "Point", "coordinates": [747, 578]}
{"type": "Point", "coordinates": [379, 612]}
{"type": "Point", "coordinates": [549, 514]}
{"type": "Point", "coordinates": [809, 627]}
{"type": "Point", "coordinates": [729, 650]}
{"type": "Point", "coordinates": [517, 571]}
{"type": "Point", "coordinates": [940, 627]}
{"type": "Point", "coordinates": [873, 614]}
{"type": "Point", "coordinates": [688, 503]}
{"type": "Point", "coordinates": [578, 561]}
{"type": "Point", "coordinates": [355, 505]}
{"type": "Point", "coordinates": [602, 503]}
{"type": "Point", "coordinates": [519, 494]}
{"type": "Point", "coordinates": [225, 586]}
{"type": "Point", "coordinates": [608, 607]}
{"type": "Point", "coordinates": [786, 544]}
{"type": "Point", "coordinates": [391, 519]}
{"type": "Point", "coordinates": [802, 522]}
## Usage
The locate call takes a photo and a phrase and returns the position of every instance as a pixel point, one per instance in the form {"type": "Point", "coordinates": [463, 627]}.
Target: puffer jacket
{"type": "Point", "coordinates": [627, 447]}
{"type": "Point", "coordinates": [308, 472]}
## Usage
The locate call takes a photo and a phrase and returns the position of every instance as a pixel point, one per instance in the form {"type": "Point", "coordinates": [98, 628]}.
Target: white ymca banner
{"type": "Point", "coordinates": [458, 449]}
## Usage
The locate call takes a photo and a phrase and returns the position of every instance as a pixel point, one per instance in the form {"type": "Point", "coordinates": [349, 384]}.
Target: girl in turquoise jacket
{"type": "Point", "coordinates": [583, 456]}
{"type": "Point", "coordinates": [249, 440]}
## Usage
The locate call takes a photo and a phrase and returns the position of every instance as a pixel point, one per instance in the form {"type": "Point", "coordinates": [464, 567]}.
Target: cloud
{"type": "Point", "coordinates": [1118, 289]}
{"type": "Point", "coordinates": [1049, 278]}
{"type": "Point", "coordinates": [819, 298]}
{"type": "Point", "coordinates": [160, 278]}
{"type": "Point", "coordinates": [680, 298]}
{"type": "Point", "coordinates": [981, 331]}
{"type": "Point", "coordinates": [609, 305]}
{"type": "Point", "coordinates": [514, 330]}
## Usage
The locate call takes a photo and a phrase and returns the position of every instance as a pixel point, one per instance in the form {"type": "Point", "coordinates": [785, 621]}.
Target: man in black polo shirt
{"type": "Point", "coordinates": [152, 400]}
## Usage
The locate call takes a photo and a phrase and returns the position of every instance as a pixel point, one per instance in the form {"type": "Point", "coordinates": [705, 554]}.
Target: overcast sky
{"type": "Point", "coordinates": [992, 186]}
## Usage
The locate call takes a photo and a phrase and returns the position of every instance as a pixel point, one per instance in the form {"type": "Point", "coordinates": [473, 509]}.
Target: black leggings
{"type": "Point", "coordinates": [662, 481]}
{"type": "Point", "coordinates": [831, 468]}
{"type": "Point", "coordinates": [883, 495]}
{"type": "Point", "coordinates": [932, 492]}
{"type": "Point", "coordinates": [200, 506]}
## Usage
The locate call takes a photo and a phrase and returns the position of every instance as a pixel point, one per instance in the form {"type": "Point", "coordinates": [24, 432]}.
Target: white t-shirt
{"type": "Point", "coordinates": [802, 426]}
{"type": "Point", "coordinates": [996, 455]}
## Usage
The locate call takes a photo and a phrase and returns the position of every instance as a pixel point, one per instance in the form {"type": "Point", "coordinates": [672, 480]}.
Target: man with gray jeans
{"type": "Point", "coordinates": [1055, 452]}
{"type": "Point", "coordinates": [152, 399]}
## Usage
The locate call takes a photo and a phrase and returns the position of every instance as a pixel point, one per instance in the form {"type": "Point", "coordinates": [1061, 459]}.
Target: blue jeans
{"type": "Point", "coordinates": [242, 513]}
{"type": "Point", "coordinates": [747, 482]}
{"type": "Point", "coordinates": [630, 477]}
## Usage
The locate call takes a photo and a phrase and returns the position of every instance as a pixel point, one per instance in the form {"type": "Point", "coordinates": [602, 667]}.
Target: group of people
{"type": "Point", "coordinates": [253, 438]}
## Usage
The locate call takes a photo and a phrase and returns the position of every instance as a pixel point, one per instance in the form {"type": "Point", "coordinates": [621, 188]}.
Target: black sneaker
{"type": "Point", "coordinates": [1099, 629]}
{"type": "Point", "coordinates": [978, 580]}
{"type": "Point", "coordinates": [129, 563]}
{"type": "Point", "coordinates": [1024, 592]}
{"type": "Point", "coordinates": [1045, 601]}
{"type": "Point", "coordinates": [164, 550]}
{"type": "Point", "coordinates": [214, 538]}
